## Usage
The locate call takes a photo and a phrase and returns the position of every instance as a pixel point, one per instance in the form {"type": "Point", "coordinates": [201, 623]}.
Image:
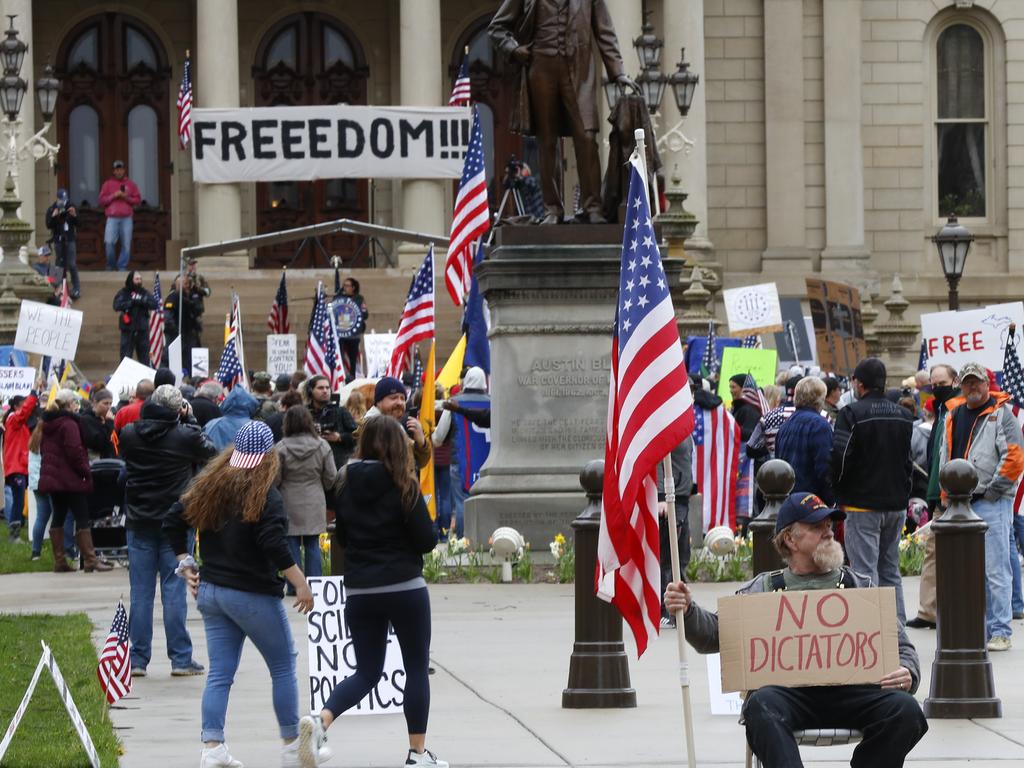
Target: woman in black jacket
{"type": "Point", "coordinates": [383, 522]}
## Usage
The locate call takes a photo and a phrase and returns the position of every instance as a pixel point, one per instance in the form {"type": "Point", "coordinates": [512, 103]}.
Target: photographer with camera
{"type": "Point", "coordinates": [62, 221]}
{"type": "Point", "coordinates": [333, 422]}
{"type": "Point", "coordinates": [389, 399]}
{"type": "Point", "coordinates": [119, 196]}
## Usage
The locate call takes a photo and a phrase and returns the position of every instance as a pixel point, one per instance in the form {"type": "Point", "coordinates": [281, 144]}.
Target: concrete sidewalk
{"type": "Point", "coordinates": [502, 655]}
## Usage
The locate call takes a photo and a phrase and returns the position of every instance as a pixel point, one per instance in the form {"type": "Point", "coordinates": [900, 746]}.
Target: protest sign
{"type": "Point", "coordinates": [128, 374]}
{"type": "Point", "coordinates": [971, 336]}
{"type": "Point", "coordinates": [174, 360]}
{"type": "Point", "coordinates": [281, 353]}
{"type": "Point", "coordinates": [332, 658]}
{"type": "Point", "coordinates": [378, 347]}
{"type": "Point", "coordinates": [48, 330]}
{"type": "Point", "coordinates": [200, 362]}
{"type": "Point", "coordinates": [760, 363]}
{"type": "Point", "coordinates": [721, 703]}
{"type": "Point", "coordinates": [810, 637]}
{"type": "Point", "coordinates": [792, 312]}
{"type": "Point", "coordinates": [838, 330]}
{"type": "Point", "coordinates": [16, 381]}
{"type": "Point", "coordinates": [340, 141]}
{"type": "Point", "coordinates": [753, 309]}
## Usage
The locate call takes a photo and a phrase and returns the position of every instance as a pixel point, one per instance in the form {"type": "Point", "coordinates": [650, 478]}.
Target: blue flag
{"type": "Point", "coordinates": [474, 322]}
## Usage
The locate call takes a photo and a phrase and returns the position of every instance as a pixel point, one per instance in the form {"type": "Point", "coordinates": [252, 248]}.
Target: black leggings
{"type": "Point", "coordinates": [73, 504]}
{"type": "Point", "coordinates": [367, 617]}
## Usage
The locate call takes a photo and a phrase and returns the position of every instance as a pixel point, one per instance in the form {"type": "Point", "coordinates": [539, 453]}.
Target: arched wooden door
{"type": "Point", "coordinates": [310, 58]}
{"type": "Point", "coordinates": [113, 105]}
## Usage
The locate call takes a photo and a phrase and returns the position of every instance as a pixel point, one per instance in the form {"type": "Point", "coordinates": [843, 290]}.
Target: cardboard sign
{"type": "Point", "coordinates": [792, 312]}
{"type": "Point", "coordinates": [760, 363]}
{"type": "Point", "coordinates": [812, 637]}
{"type": "Point", "coordinates": [16, 381]}
{"type": "Point", "coordinates": [971, 336]}
{"type": "Point", "coordinates": [282, 350]}
{"type": "Point", "coordinates": [200, 362]}
{"type": "Point", "coordinates": [377, 347]}
{"type": "Point", "coordinates": [332, 658]}
{"type": "Point", "coordinates": [48, 330]}
{"type": "Point", "coordinates": [128, 374]}
{"type": "Point", "coordinates": [753, 309]}
{"type": "Point", "coordinates": [838, 330]}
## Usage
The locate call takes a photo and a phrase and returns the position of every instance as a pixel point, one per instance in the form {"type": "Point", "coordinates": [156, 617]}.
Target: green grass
{"type": "Point", "coordinates": [46, 736]}
{"type": "Point", "coordinates": [17, 557]}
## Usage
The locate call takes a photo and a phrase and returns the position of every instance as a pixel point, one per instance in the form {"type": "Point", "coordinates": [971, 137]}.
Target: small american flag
{"type": "Point", "coordinates": [650, 412]}
{"type": "Point", "coordinates": [417, 323]}
{"type": "Point", "coordinates": [322, 343]}
{"type": "Point", "coordinates": [752, 394]}
{"type": "Point", "coordinates": [1013, 385]}
{"type": "Point", "coordinates": [462, 90]}
{"type": "Point", "coordinates": [156, 325]}
{"type": "Point", "coordinates": [922, 358]}
{"type": "Point", "coordinates": [65, 297]}
{"type": "Point", "coordinates": [709, 362]}
{"type": "Point", "coordinates": [185, 105]}
{"type": "Point", "coordinates": [751, 342]}
{"type": "Point", "coordinates": [277, 320]}
{"type": "Point", "coordinates": [115, 670]}
{"type": "Point", "coordinates": [716, 441]}
{"type": "Point", "coordinates": [231, 371]}
{"type": "Point", "coordinates": [471, 219]}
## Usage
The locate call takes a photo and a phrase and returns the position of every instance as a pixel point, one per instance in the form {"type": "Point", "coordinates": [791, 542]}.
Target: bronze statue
{"type": "Point", "coordinates": [553, 41]}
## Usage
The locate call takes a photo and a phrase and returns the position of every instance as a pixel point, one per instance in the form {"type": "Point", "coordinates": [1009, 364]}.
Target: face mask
{"type": "Point", "coordinates": [943, 392]}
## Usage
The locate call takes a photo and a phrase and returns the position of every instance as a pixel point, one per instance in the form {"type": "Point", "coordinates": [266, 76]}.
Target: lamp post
{"type": "Point", "coordinates": [953, 242]}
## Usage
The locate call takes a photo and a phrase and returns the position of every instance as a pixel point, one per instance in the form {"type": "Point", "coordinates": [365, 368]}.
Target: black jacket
{"type": "Point", "coordinates": [242, 556]}
{"type": "Point", "coordinates": [384, 543]}
{"type": "Point", "coordinates": [205, 410]}
{"type": "Point", "coordinates": [191, 315]}
{"type": "Point", "coordinates": [871, 464]}
{"type": "Point", "coordinates": [747, 417]}
{"type": "Point", "coordinates": [56, 219]}
{"type": "Point", "coordinates": [96, 434]}
{"type": "Point", "coordinates": [133, 306]}
{"type": "Point", "coordinates": [160, 454]}
{"type": "Point", "coordinates": [336, 418]}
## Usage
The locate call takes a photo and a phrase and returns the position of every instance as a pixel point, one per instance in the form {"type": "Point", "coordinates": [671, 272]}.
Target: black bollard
{"type": "Point", "coordinates": [598, 667]}
{"type": "Point", "coordinates": [962, 681]}
{"type": "Point", "coordinates": [775, 480]}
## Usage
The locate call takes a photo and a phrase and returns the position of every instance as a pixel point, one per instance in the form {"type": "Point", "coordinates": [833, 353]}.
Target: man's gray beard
{"type": "Point", "coordinates": [828, 556]}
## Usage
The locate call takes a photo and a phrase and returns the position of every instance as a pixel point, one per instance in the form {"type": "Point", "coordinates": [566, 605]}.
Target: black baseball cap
{"type": "Point", "coordinates": [803, 507]}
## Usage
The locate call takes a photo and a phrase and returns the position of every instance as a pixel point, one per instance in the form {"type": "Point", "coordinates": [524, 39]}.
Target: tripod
{"type": "Point", "coordinates": [512, 194]}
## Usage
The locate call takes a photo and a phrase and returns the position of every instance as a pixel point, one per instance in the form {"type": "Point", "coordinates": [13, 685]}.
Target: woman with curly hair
{"type": "Point", "coordinates": [243, 545]}
{"type": "Point", "coordinates": [385, 527]}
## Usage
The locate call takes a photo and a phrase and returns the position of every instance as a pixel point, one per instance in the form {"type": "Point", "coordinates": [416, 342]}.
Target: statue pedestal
{"type": "Point", "coordinates": [551, 293]}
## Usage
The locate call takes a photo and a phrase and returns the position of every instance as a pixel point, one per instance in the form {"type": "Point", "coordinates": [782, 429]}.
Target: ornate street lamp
{"type": "Point", "coordinates": [612, 93]}
{"type": "Point", "coordinates": [648, 47]}
{"type": "Point", "coordinates": [47, 89]}
{"type": "Point", "coordinates": [684, 83]}
{"type": "Point", "coordinates": [953, 242]}
{"type": "Point", "coordinates": [12, 50]}
{"type": "Point", "coordinates": [652, 87]}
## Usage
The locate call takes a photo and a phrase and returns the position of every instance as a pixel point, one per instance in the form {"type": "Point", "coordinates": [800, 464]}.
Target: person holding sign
{"type": "Point", "coordinates": [886, 713]}
{"type": "Point", "coordinates": [133, 303]}
{"type": "Point", "coordinates": [242, 525]}
{"type": "Point", "coordinates": [385, 528]}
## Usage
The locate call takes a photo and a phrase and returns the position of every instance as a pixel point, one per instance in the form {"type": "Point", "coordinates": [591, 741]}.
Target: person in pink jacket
{"type": "Point", "coordinates": [119, 196]}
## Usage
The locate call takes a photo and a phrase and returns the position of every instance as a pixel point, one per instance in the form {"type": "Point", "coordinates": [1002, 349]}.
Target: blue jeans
{"type": "Point", "coordinates": [44, 510]}
{"type": "Point", "coordinates": [150, 557]}
{"type": "Point", "coordinates": [310, 547]}
{"type": "Point", "coordinates": [442, 499]}
{"type": "Point", "coordinates": [17, 483]}
{"type": "Point", "coordinates": [1016, 598]}
{"type": "Point", "coordinates": [872, 542]}
{"type": "Point", "coordinates": [230, 616]}
{"type": "Point", "coordinates": [997, 564]}
{"type": "Point", "coordinates": [118, 228]}
{"type": "Point", "coordinates": [458, 501]}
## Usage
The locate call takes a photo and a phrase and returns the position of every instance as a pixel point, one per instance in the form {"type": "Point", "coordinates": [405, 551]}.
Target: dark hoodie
{"type": "Point", "coordinates": [160, 455]}
{"type": "Point", "coordinates": [706, 400]}
{"type": "Point", "coordinates": [384, 543]}
{"type": "Point", "coordinates": [133, 305]}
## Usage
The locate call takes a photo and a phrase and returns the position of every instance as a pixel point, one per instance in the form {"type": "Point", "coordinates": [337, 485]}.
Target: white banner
{"type": "Point", "coordinates": [200, 363]}
{"type": "Point", "coordinates": [16, 381]}
{"type": "Point", "coordinates": [332, 658]}
{"type": "Point", "coordinates": [753, 309]}
{"type": "Point", "coordinates": [328, 142]}
{"type": "Point", "coordinates": [129, 373]}
{"type": "Point", "coordinates": [282, 352]}
{"type": "Point", "coordinates": [971, 336]}
{"type": "Point", "coordinates": [378, 347]}
{"type": "Point", "coordinates": [48, 330]}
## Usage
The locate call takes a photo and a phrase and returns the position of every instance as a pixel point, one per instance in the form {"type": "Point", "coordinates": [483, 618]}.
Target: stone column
{"type": "Point", "coordinates": [420, 76]}
{"type": "Point", "coordinates": [683, 27]}
{"type": "Point", "coordinates": [26, 180]}
{"type": "Point", "coordinates": [784, 137]}
{"type": "Point", "coordinates": [845, 248]}
{"type": "Point", "coordinates": [219, 206]}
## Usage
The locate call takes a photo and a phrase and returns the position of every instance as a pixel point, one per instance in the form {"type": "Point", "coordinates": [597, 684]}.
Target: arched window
{"type": "Point", "coordinates": [962, 131]}
{"type": "Point", "coordinates": [138, 50]}
{"type": "Point", "coordinates": [84, 156]}
{"type": "Point", "coordinates": [143, 137]}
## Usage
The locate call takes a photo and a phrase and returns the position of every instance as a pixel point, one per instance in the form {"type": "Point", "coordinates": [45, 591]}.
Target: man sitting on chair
{"type": "Point", "coordinates": [886, 713]}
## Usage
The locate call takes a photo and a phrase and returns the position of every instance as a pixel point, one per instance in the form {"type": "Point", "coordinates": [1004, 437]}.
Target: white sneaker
{"type": "Point", "coordinates": [311, 746]}
{"type": "Point", "coordinates": [425, 758]}
{"type": "Point", "coordinates": [1000, 643]}
{"type": "Point", "coordinates": [218, 757]}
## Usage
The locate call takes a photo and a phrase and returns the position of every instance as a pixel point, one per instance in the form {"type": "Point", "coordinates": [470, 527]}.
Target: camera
{"type": "Point", "coordinates": [513, 172]}
{"type": "Point", "coordinates": [122, 187]}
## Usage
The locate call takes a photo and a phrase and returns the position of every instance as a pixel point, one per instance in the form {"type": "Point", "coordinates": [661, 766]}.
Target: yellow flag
{"type": "Point", "coordinates": [449, 375]}
{"type": "Point", "coordinates": [427, 422]}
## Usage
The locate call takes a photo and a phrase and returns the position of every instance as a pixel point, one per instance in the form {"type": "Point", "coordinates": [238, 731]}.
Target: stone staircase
{"type": "Point", "coordinates": [384, 291]}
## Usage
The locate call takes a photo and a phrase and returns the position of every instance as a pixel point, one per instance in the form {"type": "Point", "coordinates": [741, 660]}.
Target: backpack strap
{"type": "Point", "coordinates": [777, 581]}
{"type": "Point", "coordinates": [846, 580]}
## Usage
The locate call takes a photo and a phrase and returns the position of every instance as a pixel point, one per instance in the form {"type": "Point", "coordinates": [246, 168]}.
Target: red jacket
{"type": "Point", "coordinates": [16, 437]}
{"type": "Point", "coordinates": [126, 414]}
{"type": "Point", "coordinates": [119, 207]}
{"type": "Point", "coordinates": [65, 467]}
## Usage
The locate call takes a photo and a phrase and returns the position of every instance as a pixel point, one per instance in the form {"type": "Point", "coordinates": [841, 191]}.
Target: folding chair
{"type": "Point", "coordinates": [815, 737]}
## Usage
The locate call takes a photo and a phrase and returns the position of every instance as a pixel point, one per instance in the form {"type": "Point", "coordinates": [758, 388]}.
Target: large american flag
{"type": "Point", "coordinates": [417, 323]}
{"type": "Point", "coordinates": [321, 342]}
{"type": "Point", "coordinates": [716, 443]}
{"type": "Point", "coordinates": [471, 219]}
{"type": "Point", "coordinates": [1013, 385]}
{"type": "Point", "coordinates": [115, 669]}
{"type": "Point", "coordinates": [461, 91]}
{"type": "Point", "coordinates": [156, 326]}
{"type": "Point", "coordinates": [650, 412]}
{"type": "Point", "coordinates": [185, 105]}
{"type": "Point", "coordinates": [231, 371]}
{"type": "Point", "coordinates": [277, 320]}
